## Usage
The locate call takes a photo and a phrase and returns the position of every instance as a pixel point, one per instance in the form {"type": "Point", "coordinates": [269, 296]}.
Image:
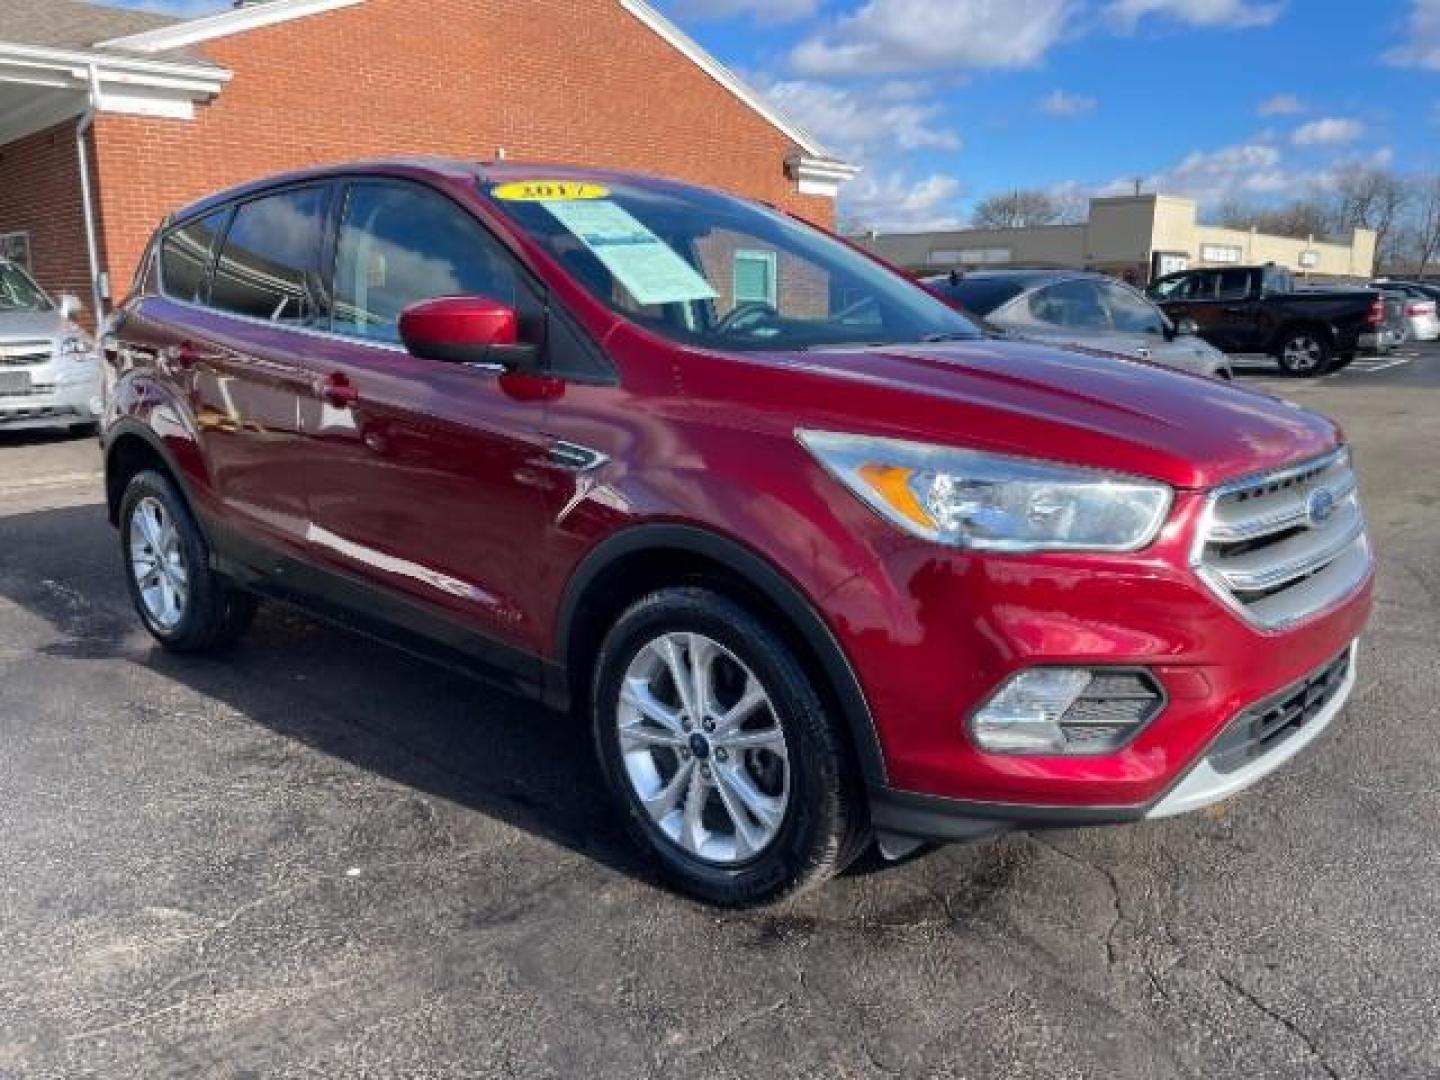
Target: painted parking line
{"type": "Point", "coordinates": [1370, 369]}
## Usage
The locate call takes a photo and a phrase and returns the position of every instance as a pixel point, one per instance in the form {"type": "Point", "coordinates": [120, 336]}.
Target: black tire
{"type": "Point", "coordinates": [1305, 353]}
{"type": "Point", "coordinates": [824, 826]}
{"type": "Point", "coordinates": [215, 613]}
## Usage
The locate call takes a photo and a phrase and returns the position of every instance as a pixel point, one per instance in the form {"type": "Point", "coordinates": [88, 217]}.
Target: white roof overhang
{"type": "Point", "coordinates": [40, 87]}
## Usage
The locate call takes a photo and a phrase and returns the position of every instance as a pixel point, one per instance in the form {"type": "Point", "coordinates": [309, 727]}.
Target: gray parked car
{"type": "Point", "coordinates": [1078, 309]}
{"type": "Point", "coordinates": [49, 371]}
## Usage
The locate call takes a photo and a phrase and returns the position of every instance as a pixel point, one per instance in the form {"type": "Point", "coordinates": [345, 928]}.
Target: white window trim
{"type": "Point", "coordinates": [5, 239]}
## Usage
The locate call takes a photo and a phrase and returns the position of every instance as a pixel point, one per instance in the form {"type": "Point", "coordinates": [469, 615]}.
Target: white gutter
{"type": "Point", "coordinates": [200, 76]}
{"type": "Point", "coordinates": [87, 200]}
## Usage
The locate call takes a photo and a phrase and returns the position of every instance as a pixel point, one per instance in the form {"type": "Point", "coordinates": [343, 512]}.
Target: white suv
{"type": "Point", "coordinates": [49, 370]}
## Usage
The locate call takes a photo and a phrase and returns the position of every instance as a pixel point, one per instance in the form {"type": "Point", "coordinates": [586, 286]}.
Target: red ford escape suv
{"type": "Point", "coordinates": [821, 563]}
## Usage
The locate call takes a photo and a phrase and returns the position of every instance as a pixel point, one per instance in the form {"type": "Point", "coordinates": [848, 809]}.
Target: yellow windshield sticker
{"type": "Point", "coordinates": [548, 191]}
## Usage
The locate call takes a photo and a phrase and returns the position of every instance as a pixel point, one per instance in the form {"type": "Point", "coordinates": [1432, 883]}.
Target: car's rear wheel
{"type": "Point", "coordinates": [1305, 354]}
{"type": "Point", "coordinates": [184, 604]}
{"type": "Point", "coordinates": [719, 752]}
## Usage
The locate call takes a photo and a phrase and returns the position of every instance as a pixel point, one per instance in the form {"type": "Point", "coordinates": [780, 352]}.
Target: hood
{"type": "Point", "coordinates": [33, 325]}
{"type": "Point", "coordinates": [1034, 401]}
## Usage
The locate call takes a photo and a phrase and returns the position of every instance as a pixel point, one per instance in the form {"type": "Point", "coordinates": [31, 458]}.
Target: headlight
{"type": "Point", "coordinates": [986, 502]}
{"type": "Point", "coordinates": [76, 348]}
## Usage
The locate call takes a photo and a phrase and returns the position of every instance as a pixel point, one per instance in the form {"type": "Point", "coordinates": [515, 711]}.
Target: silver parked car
{"type": "Point", "coordinates": [1421, 314]}
{"type": "Point", "coordinates": [1078, 309]}
{"type": "Point", "coordinates": [49, 370]}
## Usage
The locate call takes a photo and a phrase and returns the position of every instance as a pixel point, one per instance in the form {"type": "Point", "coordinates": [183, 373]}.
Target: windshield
{"type": "Point", "coordinates": [711, 271]}
{"type": "Point", "coordinates": [18, 292]}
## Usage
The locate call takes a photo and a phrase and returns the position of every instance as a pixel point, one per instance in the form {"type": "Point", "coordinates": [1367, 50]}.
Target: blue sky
{"type": "Point", "coordinates": [944, 101]}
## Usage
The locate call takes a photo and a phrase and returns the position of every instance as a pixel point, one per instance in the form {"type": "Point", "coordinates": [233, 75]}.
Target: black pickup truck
{"type": "Point", "coordinates": [1257, 309]}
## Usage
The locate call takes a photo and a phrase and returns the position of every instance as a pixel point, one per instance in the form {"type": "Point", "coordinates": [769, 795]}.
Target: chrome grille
{"type": "Point", "coordinates": [18, 353]}
{"type": "Point", "coordinates": [1282, 547]}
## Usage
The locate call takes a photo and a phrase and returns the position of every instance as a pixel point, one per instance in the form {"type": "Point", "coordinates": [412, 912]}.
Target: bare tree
{"type": "Point", "coordinates": [1017, 210]}
{"type": "Point", "coordinates": [1375, 199]}
{"type": "Point", "coordinates": [1425, 224]}
{"type": "Point", "coordinates": [1300, 220]}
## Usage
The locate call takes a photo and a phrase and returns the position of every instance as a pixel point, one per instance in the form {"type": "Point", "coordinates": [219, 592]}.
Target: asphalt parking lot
{"type": "Point", "coordinates": [315, 857]}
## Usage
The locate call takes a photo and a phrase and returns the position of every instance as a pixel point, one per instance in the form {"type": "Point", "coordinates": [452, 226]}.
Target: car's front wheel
{"type": "Point", "coordinates": [719, 752]}
{"type": "Point", "coordinates": [184, 604]}
{"type": "Point", "coordinates": [1305, 354]}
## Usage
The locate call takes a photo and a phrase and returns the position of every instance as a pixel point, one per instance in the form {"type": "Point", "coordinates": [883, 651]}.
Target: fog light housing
{"type": "Point", "coordinates": [1067, 711]}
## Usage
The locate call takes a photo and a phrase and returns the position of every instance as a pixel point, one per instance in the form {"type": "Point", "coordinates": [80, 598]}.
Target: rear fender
{"type": "Point", "coordinates": [145, 407]}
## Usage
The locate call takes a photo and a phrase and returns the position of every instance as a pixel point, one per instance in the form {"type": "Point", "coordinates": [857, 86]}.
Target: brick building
{"type": "Point", "coordinates": [156, 112]}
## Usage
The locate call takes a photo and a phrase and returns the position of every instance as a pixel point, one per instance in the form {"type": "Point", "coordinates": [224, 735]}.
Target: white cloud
{"type": "Point", "coordinates": [768, 11]}
{"type": "Point", "coordinates": [895, 202]}
{"type": "Point", "coordinates": [857, 123]}
{"type": "Point", "coordinates": [1330, 131]}
{"type": "Point", "coordinates": [1234, 14]}
{"type": "Point", "coordinates": [889, 36]}
{"type": "Point", "coordinates": [1245, 170]}
{"type": "Point", "coordinates": [1421, 47]}
{"type": "Point", "coordinates": [1280, 105]}
{"type": "Point", "coordinates": [1059, 103]}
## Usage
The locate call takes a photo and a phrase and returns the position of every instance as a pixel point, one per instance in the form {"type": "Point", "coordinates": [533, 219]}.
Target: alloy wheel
{"type": "Point", "coordinates": [157, 561]}
{"type": "Point", "coordinates": [1304, 353]}
{"type": "Point", "coordinates": [703, 748]}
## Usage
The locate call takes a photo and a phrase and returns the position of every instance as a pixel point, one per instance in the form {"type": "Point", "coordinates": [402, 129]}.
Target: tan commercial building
{"type": "Point", "coordinates": [1138, 237]}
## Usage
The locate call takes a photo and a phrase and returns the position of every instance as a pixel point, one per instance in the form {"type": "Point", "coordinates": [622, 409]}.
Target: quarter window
{"type": "Point", "coordinates": [401, 244]}
{"type": "Point", "coordinates": [185, 256]}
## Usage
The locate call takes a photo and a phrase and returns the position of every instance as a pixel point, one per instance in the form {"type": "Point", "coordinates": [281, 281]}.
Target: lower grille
{"type": "Point", "coordinates": [1114, 707]}
{"type": "Point", "coordinates": [26, 353]}
{"type": "Point", "coordinates": [1260, 729]}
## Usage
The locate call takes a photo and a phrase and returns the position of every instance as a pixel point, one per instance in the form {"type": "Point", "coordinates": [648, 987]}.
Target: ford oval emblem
{"type": "Point", "coordinates": [1321, 506]}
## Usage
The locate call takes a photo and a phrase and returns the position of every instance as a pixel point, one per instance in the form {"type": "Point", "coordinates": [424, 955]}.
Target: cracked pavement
{"type": "Point", "coordinates": [317, 857]}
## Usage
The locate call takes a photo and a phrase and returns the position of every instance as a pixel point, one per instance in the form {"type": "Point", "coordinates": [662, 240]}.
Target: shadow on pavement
{"type": "Point", "coordinates": [432, 730]}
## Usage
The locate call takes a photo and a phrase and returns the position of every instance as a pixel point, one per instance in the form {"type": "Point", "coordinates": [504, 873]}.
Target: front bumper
{"type": "Point", "coordinates": [75, 400]}
{"type": "Point", "coordinates": [1216, 776]}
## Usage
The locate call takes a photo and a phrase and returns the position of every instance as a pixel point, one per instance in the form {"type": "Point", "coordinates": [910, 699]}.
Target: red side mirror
{"type": "Point", "coordinates": [466, 330]}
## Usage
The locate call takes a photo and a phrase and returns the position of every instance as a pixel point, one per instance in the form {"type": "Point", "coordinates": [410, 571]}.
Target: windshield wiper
{"type": "Point", "coordinates": [953, 335]}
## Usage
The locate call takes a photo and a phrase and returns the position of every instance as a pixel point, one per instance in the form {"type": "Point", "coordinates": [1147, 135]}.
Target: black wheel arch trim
{"type": "Point", "coordinates": [760, 574]}
{"type": "Point", "coordinates": [130, 427]}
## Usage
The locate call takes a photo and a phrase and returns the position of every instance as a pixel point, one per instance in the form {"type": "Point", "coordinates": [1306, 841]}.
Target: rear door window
{"type": "Point", "coordinates": [185, 256]}
{"type": "Point", "coordinates": [267, 267]}
{"type": "Point", "coordinates": [1072, 305]}
{"type": "Point", "coordinates": [981, 296]}
{"type": "Point", "coordinates": [1234, 285]}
